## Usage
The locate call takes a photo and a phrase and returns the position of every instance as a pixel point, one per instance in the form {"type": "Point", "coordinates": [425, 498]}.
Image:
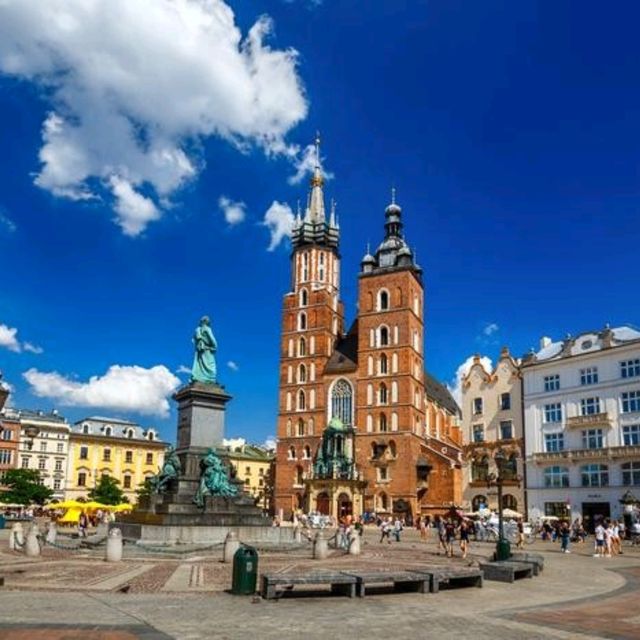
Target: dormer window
{"type": "Point", "coordinates": [85, 429]}
{"type": "Point", "coordinates": [151, 435]}
{"type": "Point", "coordinates": [108, 431]}
{"type": "Point", "coordinates": [129, 433]}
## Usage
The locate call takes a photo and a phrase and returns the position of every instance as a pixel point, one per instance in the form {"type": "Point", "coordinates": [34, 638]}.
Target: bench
{"type": "Point", "coordinates": [506, 570]}
{"type": "Point", "coordinates": [275, 584]}
{"type": "Point", "coordinates": [452, 576]}
{"type": "Point", "coordinates": [401, 580]}
{"type": "Point", "coordinates": [532, 558]}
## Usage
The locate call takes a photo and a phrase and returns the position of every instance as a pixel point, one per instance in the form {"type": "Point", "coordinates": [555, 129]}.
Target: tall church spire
{"type": "Point", "coordinates": [315, 211]}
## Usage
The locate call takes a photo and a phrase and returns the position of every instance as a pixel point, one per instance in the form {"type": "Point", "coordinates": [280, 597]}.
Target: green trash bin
{"type": "Point", "coordinates": [245, 571]}
{"type": "Point", "coordinates": [2, 522]}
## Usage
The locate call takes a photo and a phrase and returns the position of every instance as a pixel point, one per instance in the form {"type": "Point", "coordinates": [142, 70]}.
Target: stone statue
{"type": "Point", "coordinates": [214, 479]}
{"type": "Point", "coordinates": [171, 469]}
{"type": "Point", "coordinates": [204, 362]}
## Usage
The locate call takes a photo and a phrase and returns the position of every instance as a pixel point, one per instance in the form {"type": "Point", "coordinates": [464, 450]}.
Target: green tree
{"type": "Point", "coordinates": [107, 491]}
{"type": "Point", "coordinates": [144, 489]}
{"type": "Point", "coordinates": [23, 487]}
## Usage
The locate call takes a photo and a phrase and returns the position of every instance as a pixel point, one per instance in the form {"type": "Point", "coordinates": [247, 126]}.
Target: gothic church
{"type": "Point", "coordinates": [362, 427]}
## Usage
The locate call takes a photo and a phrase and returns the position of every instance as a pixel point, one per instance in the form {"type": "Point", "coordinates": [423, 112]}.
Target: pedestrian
{"type": "Point", "coordinates": [608, 539]}
{"type": "Point", "coordinates": [397, 529]}
{"type": "Point", "coordinates": [520, 526]}
{"type": "Point", "coordinates": [385, 530]}
{"type": "Point", "coordinates": [440, 530]}
{"type": "Point", "coordinates": [83, 523]}
{"type": "Point", "coordinates": [616, 540]}
{"type": "Point", "coordinates": [600, 534]}
{"type": "Point", "coordinates": [564, 537]}
{"type": "Point", "coordinates": [464, 538]}
{"type": "Point", "coordinates": [450, 536]}
{"type": "Point", "coordinates": [423, 529]}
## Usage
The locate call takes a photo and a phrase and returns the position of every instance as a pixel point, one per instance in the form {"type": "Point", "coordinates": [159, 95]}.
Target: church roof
{"type": "Point", "coordinates": [344, 358]}
{"type": "Point", "coordinates": [437, 392]}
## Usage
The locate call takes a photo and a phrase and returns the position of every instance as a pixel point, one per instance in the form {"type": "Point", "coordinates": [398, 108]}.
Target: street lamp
{"type": "Point", "coordinates": [31, 431]}
{"type": "Point", "coordinates": [503, 547]}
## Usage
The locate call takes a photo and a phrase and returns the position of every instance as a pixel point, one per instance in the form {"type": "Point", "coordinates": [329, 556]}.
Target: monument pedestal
{"type": "Point", "coordinates": [172, 516]}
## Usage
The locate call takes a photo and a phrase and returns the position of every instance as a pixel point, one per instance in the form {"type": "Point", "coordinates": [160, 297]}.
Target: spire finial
{"type": "Point", "coordinates": [317, 143]}
{"type": "Point", "coordinates": [393, 194]}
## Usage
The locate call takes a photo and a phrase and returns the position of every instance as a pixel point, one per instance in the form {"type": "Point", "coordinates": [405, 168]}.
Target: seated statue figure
{"type": "Point", "coordinates": [171, 469]}
{"type": "Point", "coordinates": [214, 479]}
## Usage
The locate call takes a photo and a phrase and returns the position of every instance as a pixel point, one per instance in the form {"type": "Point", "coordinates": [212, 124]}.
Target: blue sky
{"type": "Point", "coordinates": [511, 131]}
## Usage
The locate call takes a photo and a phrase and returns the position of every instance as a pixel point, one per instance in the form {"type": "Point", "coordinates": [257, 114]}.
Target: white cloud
{"type": "Point", "coordinates": [269, 443]}
{"type": "Point", "coordinates": [121, 388]}
{"type": "Point", "coordinates": [305, 162]}
{"type": "Point", "coordinates": [6, 222]}
{"type": "Point", "coordinates": [234, 212]}
{"type": "Point", "coordinates": [8, 338]}
{"type": "Point", "coordinates": [32, 348]}
{"type": "Point", "coordinates": [279, 219]}
{"type": "Point", "coordinates": [455, 388]}
{"type": "Point", "coordinates": [233, 365]}
{"type": "Point", "coordinates": [183, 369]}
{"type": "Point", "coordinates": [135, 86]}
{"type": "Point", "coordinates": [490, 328]}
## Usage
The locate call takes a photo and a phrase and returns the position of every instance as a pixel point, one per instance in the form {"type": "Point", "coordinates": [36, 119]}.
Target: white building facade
{"type": "Point", "coordinates": [581, 401]}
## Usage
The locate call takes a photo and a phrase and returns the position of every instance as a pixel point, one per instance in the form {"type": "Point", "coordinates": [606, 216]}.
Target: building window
{"type": "Point", "coordinates": [302, 373]}
{"type": "Point", "coordinates": [84, 453]}
{"type": "Point", "coordinates": [631, 473]}
{"type": "Point", "coordinates": [300, 427]}
{"type": "Point", "coordinates": [106, 455]}
{"type": "Point", "coordinates": [128, 457]}
{"type": "Point", "coordinates": [305, 267]}
{"type": "Point", "coordinates": [6, 434]}
{"type": "Point", "coordinates": [477, 406]}
{"type": "Point", "coordinates": [382, 394]}
{"type": "Point", "coordinates": [302, 321]}
{"type": "Point", "coordinates": [630, 368]}
{"type": "Point", "coordinates": [631, 434]}
{"type": "Point", "coordinates": [85, 429]}
{"type": "Point", "coordinates": [480, 470]}
{"type": "Point", "coordinates": [509, 469]}
{"type": "Point", "coordinates": [589, 376]}
{"type": "Point", "coordinates": [383, 300]}
{"type": "Point", "coordinates": [589, 406]}
{"type": "Point", "coordinates": [82, 479]}
{"type": "Point", "coordinates": [42, 464]}
{"type": "Point", "coordinates": [25, 463]}
{"type": "Point", "coordinates": [382, 422]}
{"type": "Point", "coordinates": [58, 466]}
{"type": "Point", "coordinates": [630, 401]}
{"type": "Point", "coordinates": [304, 298]}
{"type": "Point", "coordinates": [383, 474]}
{"type": "Point", "coordinates": [506, 430]}
{"type": "Point", "coordinates": [129, 433]}
{"type": "Point", "coordinates": [556, 510]}
{"type": "Point", "coordinates": [478, 433]}
{"type": "Point", "coordinates": [43, 446]}
{"type": "Point", "coordinates": [126, 482]}
{"type": "Point", "coordinates": [554, 442]}
{"type": "Point", "coordinates": [302, 400]}
{"type": "Point", "coordinates": [291, 454]}
{"type": "Point", "coordinates": [383, 364]}
{"type": "Point", "coordinates": [556, 477]}
{"type": "Point", "coordinates": [302, 347]}
{"type": "Point", "coordinates": [149, 458]}
{"type": "Point", "coordinates": [592, 439]}
{"type": "Point", "coordinates": [108, 431]}
{"type": "Point", "coordinates": [552, 383]}
{"type": "Point", "coordinates": [306, 454]}
{"type": "Point", "coordinates": [342, 402]}
{"type": "Point", "coordinates": [553, 412]}
{"type": "Point", "coordinates": [5, 456]}
{"type": "Point", "coordinates": [247, 471]}
{"type": "Point", "coordinates": [595, 475]}
{"type": "Point", "coordinates": [56, 485]}
{"type": "Point", "coordinates": [383, 332]}
{"type": "Point", "coordinates": [60, 447]}
{"type": "Point", "coordinates": [505, 401]}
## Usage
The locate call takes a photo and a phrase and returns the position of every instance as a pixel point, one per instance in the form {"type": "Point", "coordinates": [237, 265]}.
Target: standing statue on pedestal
{"type": "Point", "coordinates": [214, 479]}
{"type": "Point", "coordinates": [204, 362]}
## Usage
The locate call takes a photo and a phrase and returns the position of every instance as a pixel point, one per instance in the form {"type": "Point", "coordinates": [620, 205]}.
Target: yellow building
{"type": "Point", "coordinates": [254, 466]}
{"type": "Point", "coordinates": [108, 446]}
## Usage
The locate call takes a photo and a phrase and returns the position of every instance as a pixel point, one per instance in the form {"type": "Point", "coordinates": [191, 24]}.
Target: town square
{"type": "Point", "coordinates": [319, 317]}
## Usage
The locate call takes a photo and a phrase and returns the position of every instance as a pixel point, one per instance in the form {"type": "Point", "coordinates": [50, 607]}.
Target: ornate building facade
{"type": "Point", "coordinates": [361, 426]}
{"type": "Point", "coordinates": [491, 422]}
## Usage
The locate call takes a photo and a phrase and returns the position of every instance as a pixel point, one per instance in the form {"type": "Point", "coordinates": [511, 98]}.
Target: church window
{"type": "Point", "coordinates": [312, 372]}
{"type": "Point", "coordinates": [369, 394]}
{"type": "Point", "coordinates": [288, 428]}
{"type": "Point", "coordinates": [291, 348]}
{"type": "Point", "coordinates": [301, 427]}
{"type": "Point", "coordinates": [321, 268]}
{"type": "Point", "coordinates": [369, 423]}
{"type": "Point", "coordinates": [288, 401]}
{"type": "Point", "coordinates": [291, 454]}
{"type": "Point", "coordinates": [289, 374]}
{"type": "Point", "coordinates": [383, 364]}
{"type": "Point", "coordinates": [334, 325]}
{"type": "Point", "coordinates": [394, 391]}
{"type": "Point", "coordinates": [383, 300]}
{"type": "Point", "coordinates": [302, 373]}
{"type": "Point", "coordinates": [394, 421]}
{"type": "Point", "coordinates": [383, 336]}
{"type": "Point", "coordinates": [395, 335]}
{"type": "Point", "coordinates": [342, 402]}
{"type": "Point", "coordinates": [310, 424]}
{"type": "Point", "coordinates": [312, 399]}
{"type": "Point", "coordinates": [370, 365]}
{"type": "Point", "coordinates": [382, 422]}
{"type": "Point", "coordinates": [312, 345]}
{"type": "Point", "coordinates": [302, 347]}
{"type": "Point", "coordinates": [306, 452]}
{"type": "Point", "coordinates": [302, 321]}
{"type": "Point", "coordinates": [304, 298]}
{"type": "Point", "coordinates": [394, 363]}
{"type": "Point", "coordinates": [302, 400]}
{"type": "Point", "coordinates": [382, 394]}
{"type": "Point", "coordinates": [305, 267]}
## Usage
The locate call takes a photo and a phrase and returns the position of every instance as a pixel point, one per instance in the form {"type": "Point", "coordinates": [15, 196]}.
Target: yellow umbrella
{"type": "Point", "coordinates": [94, 506]}
{"type": "Point", "coordinates": [67, 504]}
{"type": "Point", "coordinates": [125, 506]}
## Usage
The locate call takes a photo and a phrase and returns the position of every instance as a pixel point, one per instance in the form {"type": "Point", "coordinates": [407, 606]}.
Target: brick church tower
{"type": "Point", "coordinates": [312, 321]}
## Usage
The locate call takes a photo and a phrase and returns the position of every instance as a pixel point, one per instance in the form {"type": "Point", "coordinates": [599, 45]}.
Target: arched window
{"type": "Point", "coordinates": [370, 365]}
{"type": "Point", "coordinates": [305, 267]}
{"type": "Point", "coordinates": [304, 298]}
{"type": "Point", "coordinates": [290, 347]}
{"type": "Point", "coordinates": [384, 364]}
{"type": "Point", "coordinates": [85, 428]}
{"type": "Point", "coordinates": [479, 502]}
{"type": "Point", "coordinates": [291, 455]}
{"type": "Point", "coordinates": [302, 400]}
{"type": "Point", "coordinates": [300, 427]}
{"type": "Point", "coordinates": [151, 435]}
{"type": "Point", "coordinates": [369, 394]}
{"type": "Point", "coordinates": [342, 402]}
{"type": "Point", "coordinates": [383, 334]}
{"type": "Point", "coordinates": [383, 300]}
{"type": "Point", "coordinates": [392, 448]}
{"type": "Point", "coordinates": [321, 267]}
{"type": "Point", "coordinates": [383, 502]}
{"type": "Point", "coordinates": [394, 421]}
{"type": "Point", "coordinates": [509, 502]}
{"type": "Point", "coordinates": [382, 422]}
{"type": "Point", "coordinates": [107, 431]}
{"type": "Point", "coordinates": [416, 305]}
{"type": "Point", "coordinates": [302, 347]}
{"type": "Point", "coordinates": [394, 363]}
{"type": "Point", "coordinates": [302, 373]}
{"type": "Point", "coordinates": [306, 453]}
{"type": "Point", "coordinates": [480, 469]}
{"type": "Point", "coordinates": [631, 474]}
{"type": "Point", "coordinates": [302, 321]}
{"type": "Point", "coordinates": [289, 374]}
{"type": "Point", "coordinates": [369, 423]}
{"type": "Point", "coordinates": [129, 433]}
{"type": "Point", "coordinates": [394, 391]}
{"type": "Point", "coordinates": [312, 375]}
{"type": "Point", "coordinates": [312, 399]}
{"type": "Point", "coordinates": [382, 393]}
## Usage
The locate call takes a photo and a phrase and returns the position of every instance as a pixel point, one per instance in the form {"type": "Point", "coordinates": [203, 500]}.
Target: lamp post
{"type": "Point", "coordinates": [503, 547]}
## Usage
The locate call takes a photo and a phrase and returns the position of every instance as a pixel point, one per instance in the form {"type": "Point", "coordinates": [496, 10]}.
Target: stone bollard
{"type": "Point", "coordinates": [31, 543]}
{"type": "Point", "coordinates": [16, 539]}
{"type": "Point", "coordinates": [52, 533]}
{"type": "Point", "coordinates": [354, 544]}
{"type": "Point", "coordinates": [231, 545]}
{"type": "Point", "coordinates": [320, 547]}
{"type": "Point", "coordinates": [114, 546]}
{"type": "Point", "coordinates": [297, 534]}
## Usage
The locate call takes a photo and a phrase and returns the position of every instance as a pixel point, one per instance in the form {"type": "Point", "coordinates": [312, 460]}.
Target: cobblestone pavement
{"type": "Point", "coordinates": [577, 596]}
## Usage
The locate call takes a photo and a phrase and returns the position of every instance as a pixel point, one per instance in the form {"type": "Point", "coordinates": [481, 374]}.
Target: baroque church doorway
{"type": "Point", "coordinates": [345, 505]}
{"type": "Point", "coordinates": [323, 504]}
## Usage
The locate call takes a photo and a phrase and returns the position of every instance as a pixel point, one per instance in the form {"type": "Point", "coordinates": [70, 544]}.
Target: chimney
{"type": "Point", "coordinates": [545, 341]}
